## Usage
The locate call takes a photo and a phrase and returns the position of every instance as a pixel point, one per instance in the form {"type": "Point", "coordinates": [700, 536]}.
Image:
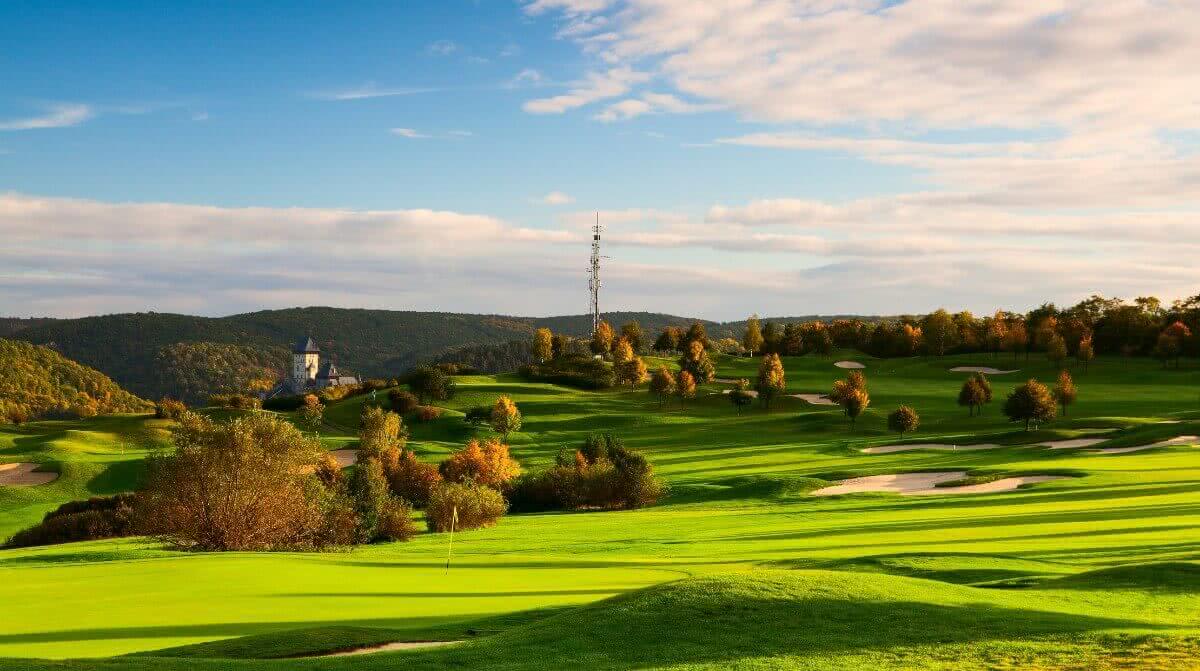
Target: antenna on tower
{"type": "Point", "coordinates": [594, 275]}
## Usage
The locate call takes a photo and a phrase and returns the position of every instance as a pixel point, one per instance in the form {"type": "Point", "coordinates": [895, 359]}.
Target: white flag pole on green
{"type": "Point", "coordinates": [453, 523]}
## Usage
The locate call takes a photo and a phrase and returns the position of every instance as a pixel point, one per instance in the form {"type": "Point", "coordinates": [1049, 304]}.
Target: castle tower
{"type": "Point", "coordinates": [305, 361]}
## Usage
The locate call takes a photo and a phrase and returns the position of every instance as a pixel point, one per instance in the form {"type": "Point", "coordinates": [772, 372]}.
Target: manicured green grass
{"type": "Point", "coordinates": [751, 572]}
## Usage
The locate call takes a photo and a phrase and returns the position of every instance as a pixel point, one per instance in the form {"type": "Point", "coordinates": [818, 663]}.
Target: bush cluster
{"type": "Point", "coordinates": [238, 401]}
{"type": "Point", "coordinates": [93, 519]}
{"type": "Point", "coordinates": [602, 473]}
{"type": "Point", "coordinates": [484, 463]}
{"type": "Point", "coordinates": [169, 408]}
{"type": "Point", "coordinates": [579, 372]}
{"type": "Point", "coordinates": [476, 506]}
{"type": "Point", "coordinates": [428, 413]}
{"type": "Point", "coordinates": [402, 401]}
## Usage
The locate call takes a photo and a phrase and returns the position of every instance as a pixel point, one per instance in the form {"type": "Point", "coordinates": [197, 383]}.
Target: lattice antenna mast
{"type": "Point", "coordinates": [594, 275]}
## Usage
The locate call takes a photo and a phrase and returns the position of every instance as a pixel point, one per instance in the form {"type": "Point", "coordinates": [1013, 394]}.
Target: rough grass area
{"type": "Point", "coordinates": [738, 568]}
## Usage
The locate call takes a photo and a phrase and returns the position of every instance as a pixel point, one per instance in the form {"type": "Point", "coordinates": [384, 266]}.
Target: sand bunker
{"type": "Point", "coordinates": [814, 399]}
{"type": "Point", "coordinates": [1181, 440]}
{"type": "Point", "coordinates": [24, 475]}
{"type": "Point", "coordinates": [849, 364]}
{"type": "Point", "coordinates": [390, 647]}
{"type": "Point", "coordinates": [923, 484]}
{"type": "Point", "coordinates": [752, 393]}
{"type": "Point", "coordinates": [982, 369]}
{"type": "Point", "coordinates": [345, 457]}
{"type": "Point", "coordinates": [1072, 443]}
{"type": "Point", "coordinates": [887, 449]}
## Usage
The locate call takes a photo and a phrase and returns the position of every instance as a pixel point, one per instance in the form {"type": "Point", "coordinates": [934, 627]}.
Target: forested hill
{"type": "Point", "coordinates": [141, 350]}
{"type": "Point", "coordinates": [38, 381]}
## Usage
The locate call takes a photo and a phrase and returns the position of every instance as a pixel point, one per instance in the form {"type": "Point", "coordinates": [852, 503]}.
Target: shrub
{"type": "Point", "coordinates": [411, 479]}
{"type": "Point", "coordinates": [374, 384]}
{"type": "Point", "coordinates": [371, 495]}
{"type": "Point", "coordinates": [237, 401]}
{"type": "Point", "coordinates": [477, 506]}
{"type": "Point", "coordinates": [96, 518]}
{"type": "Point", "coordinates": [487, 463]}
{"type": "Point", "coordinates": [381, 431]}
{"type": "Point", "coordinates": [169, 408]}
{"type": "Point", "coordinates": [428, 413]}
{"type": "Point", "coordinates": [430, 383]}
{"type": "Point", "coordinates": [402, 401]}
{"type": "Point", "coordinates": [609, 476]}
{"type": "Point", "coordinates": [396, 522]}
{"type": "Point", "coordinates": [275, 502]}
{"type": "Point", "coordinates": [329, 472]}
{"type": "Point", "coordinates": [579, 372]}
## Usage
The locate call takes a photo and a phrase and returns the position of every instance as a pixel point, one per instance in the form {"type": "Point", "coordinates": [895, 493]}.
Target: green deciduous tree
{"type": "Point", "coordinates": [685, 386]}
{"type": "Point", "coordinates": [632, 331]}
{"type": "Point", "coordinates": [903, 420]}
{"type": "Point", "coordinates": [1064, 391]}
{"type": "Point", "coordinates": [740, 395]}
{"type": "Point", "coordinates": [430, 384]}
{"type": "Point", "coordinates": [753, 338]}
{"type": "Point", "coordinates": [602, 339]}
{"type": "Point", "coordinates": [770, 382]}
{"type": "Point", "coordinates": [662, 385]}
{"type": "Point", "coordinates": [506, 417]}
{"type": "Point", "coordinates": [1030, 402]}
{"type": "Point", "coordinates": [543, 344]}
{"type": "Point", "coordinates": [971, 395]}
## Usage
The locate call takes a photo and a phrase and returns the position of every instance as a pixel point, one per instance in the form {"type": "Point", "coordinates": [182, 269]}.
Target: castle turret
{"type": "Point", "coordinates": [306, 358]}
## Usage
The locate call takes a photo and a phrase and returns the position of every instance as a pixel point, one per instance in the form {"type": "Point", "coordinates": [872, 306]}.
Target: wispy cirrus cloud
{"type": "Point", "coordinates": [55, 116]}
{"type": "Point", "coordinates": [367, 91]}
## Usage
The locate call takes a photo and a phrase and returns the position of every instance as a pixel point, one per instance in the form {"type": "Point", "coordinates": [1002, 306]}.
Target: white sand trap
{"type": "Point", "coordinates": [814, 399]}
{"type": "Point", "coordinates": [924, 484]}
{"type": "Point", "coordinates": [345, 457]}
{"type": "Point", "coordinates": [1170, 421]}
{"type": "Point", "coordinates": [1072, 443]}
{"type": "Point", "coordinates": [24, 475]}
{"type": "Point", "coordinates": [1181, 440]}
{"type": "Point", "coordinates": [982, 369]}
{"type": "Point", "coordinates": [391, 647]}
{"type": "Point", "coordinates": [887, 449]}
{"type": "Point", "coordinates": [725, 380]}
{"type": "Point", "coordinates": [849, 364]}
{"type": "Point", "coordinates": [748, 391]}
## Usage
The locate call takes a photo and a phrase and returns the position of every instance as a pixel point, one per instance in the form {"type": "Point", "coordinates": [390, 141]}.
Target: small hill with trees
{"type": "Point", "coordinates": [38, 381]}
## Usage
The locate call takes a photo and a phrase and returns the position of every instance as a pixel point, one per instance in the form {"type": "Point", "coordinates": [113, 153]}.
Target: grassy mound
{"type": "Point", "coordinates": [1164, 576]}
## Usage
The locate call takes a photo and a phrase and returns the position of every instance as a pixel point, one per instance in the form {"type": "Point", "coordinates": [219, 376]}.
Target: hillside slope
{"type": "Point", "coordinates": [130, 347]}
{"type": "Point", "coordinates": [37, 380]}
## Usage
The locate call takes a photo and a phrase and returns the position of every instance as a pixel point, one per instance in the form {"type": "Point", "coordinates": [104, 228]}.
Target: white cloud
{"type": "Point", "coordinates": [597, 86]}
{"type": "Point", "coordinates": [56, 116]}
{"type": "Point", "coordinates": [409, 133]}
{"type": "Point", "coordinates": [367, 91]}
{"type": "Point", "coordinates": [885, 255]}
{"type": "Point", "coordinates": [556, 198]}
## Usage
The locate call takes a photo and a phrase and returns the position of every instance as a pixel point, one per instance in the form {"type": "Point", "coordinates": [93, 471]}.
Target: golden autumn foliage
{"type": "Point", "coordinates": [485, 463]}
{"type": "Point", "coordinates": [506, 417]}
{"type": "Point", "coordinates": [771, 382]}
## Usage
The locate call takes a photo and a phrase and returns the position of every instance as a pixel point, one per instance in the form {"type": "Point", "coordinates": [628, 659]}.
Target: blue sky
{"type": "Point", "coordinates": [748, 156]}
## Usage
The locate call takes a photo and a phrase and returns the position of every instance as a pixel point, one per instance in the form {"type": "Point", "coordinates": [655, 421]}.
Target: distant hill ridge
{"type": "Point", "coordinates": [133, 348]}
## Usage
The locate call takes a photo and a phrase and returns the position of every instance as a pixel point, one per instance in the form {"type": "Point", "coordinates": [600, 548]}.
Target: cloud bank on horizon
{"type": "Point", "coordinates": [1047, 151]}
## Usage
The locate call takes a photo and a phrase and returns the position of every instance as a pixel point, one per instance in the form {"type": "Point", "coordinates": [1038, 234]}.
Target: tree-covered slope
{"type": "Point", "coordinates": [37, 380]}
{"type": "Point", "coordinates": [135, 349]}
